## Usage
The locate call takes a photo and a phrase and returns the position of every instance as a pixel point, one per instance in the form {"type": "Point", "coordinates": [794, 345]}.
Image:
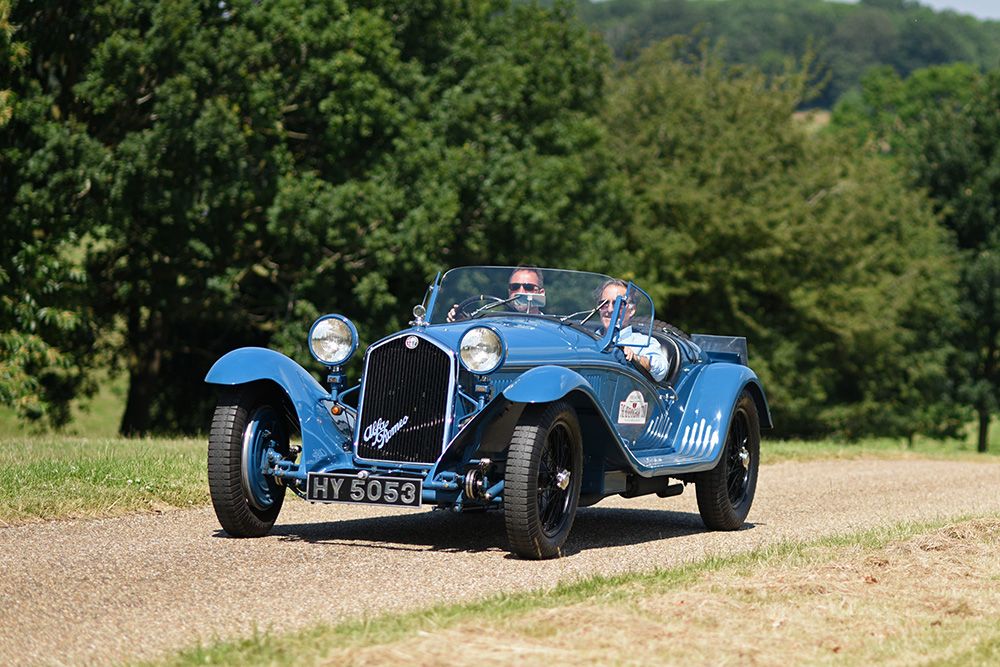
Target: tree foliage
{"type": "Point", "coordinates": [265, 162]}
{"type": "Point", "coordinates": [942, 125]}
{"type": "Point", "coordinates": [189, 177]}
{"type": "Point", "coordinates": [848, 38]}
{"type": "Point", "coordinates": [45, 178]}
{"type": "Point", "coordinates": [819, 254]}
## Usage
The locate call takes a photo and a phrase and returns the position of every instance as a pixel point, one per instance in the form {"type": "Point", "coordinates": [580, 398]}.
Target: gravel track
{"type": "Point", "coordinates": [105, 591]}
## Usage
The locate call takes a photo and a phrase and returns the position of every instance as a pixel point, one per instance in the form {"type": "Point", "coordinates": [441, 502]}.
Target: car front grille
{"type": "Point", "coordinates": [405, 401]}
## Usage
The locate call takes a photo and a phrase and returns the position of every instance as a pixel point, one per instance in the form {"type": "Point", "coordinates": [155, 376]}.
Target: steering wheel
{"type": "Point", "coordinates": [462, 310]}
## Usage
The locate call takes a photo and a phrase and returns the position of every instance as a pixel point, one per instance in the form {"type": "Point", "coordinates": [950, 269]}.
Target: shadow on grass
{"type": "Point", "coordinates": [594, 527]}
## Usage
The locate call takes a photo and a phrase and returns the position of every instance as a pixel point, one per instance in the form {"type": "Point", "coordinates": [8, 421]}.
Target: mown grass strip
{"type": "Point", "coordinates": [55, 478]}
{"type": "Point", "coordinates": [309, 646]}
{"type": "Point", "coordinates": [892, 449]}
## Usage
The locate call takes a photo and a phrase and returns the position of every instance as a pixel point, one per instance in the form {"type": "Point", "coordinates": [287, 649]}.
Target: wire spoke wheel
{"type": "Point", "coordinates": [726, 492]}
{"type": "Point", "coordinates": [553, 480]}
{"type": "Point", "coordinates": [738, 453]}
{"type": "Point", "coordinates": [542, 485]}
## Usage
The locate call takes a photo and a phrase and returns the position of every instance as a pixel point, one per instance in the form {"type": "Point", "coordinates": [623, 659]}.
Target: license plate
{"type": "Point", "coordinates": [324, 487]}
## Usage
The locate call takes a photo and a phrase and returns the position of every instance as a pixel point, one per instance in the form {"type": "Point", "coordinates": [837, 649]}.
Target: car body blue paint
{"type": "Point", "coordinates": [544, 384]}
{"type": "Point", "coordinates": [683, 429]}
{"type": "Point", "coordinates": [324, 445]}
{"type": "Point", "coordinates": [691, 433]}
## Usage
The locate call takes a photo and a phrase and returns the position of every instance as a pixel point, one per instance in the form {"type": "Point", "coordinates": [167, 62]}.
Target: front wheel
{"type": "Point", "coordinates": [248, 423]}
{"type": "Point", "coordinates": [726, 492]}
{"type": "Point", "coordinates": [542, 484]}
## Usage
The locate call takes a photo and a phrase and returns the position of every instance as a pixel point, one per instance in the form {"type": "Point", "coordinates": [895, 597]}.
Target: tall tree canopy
{"type": "Point", "coordinates": [822, 256]}
{"type": "Point", "coordinates": [942, 125]}
{"type": "Point", "coordinates": [46, 163]}
{"type": "Point", "coordinates": [188, 177]}
{"type": "Point", "coordinates": [237, 168]}
{"type": "Point", "coordinates": [848, 38]}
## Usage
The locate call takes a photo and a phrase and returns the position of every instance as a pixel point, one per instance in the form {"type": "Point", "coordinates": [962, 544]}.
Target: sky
{"type": "Point", "coordinates": [983, 9]}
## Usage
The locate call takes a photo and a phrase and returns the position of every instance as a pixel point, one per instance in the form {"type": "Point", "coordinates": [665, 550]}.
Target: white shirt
{"type": "Point", "coordinates": [657, 360]}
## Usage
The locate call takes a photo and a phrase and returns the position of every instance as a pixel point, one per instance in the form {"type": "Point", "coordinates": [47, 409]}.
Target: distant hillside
{"type": "Point", "coordinates": [846, 38]}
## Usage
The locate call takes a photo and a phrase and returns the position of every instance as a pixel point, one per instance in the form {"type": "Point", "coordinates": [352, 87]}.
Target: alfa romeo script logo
{"type": "Point", "coordinates": [379, 431]}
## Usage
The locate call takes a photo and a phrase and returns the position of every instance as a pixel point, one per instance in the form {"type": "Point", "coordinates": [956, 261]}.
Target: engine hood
{"type": "Point", "coordinates": [530, 340]}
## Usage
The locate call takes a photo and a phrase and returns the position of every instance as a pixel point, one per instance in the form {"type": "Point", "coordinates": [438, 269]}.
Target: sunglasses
{"type": "Point", "coordinates": [524, 287]}
{"type": "Point", "coordinates": [608, 308]}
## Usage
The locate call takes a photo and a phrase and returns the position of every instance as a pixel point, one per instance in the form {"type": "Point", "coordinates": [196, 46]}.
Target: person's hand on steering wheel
{"type": "Point", "coordinates": [460, 311]}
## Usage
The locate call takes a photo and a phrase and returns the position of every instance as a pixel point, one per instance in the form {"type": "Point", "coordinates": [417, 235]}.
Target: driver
{"type": "Point", "coordinates": [524, 280]}
{"type": "Point", "coordinates": [649, 355]}
{"type": "Point", "coordinates": [527, 280]}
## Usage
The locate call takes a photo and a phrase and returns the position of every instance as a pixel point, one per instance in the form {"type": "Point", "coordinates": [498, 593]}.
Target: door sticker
{"type": "Point", "coordinates": [633, 409]}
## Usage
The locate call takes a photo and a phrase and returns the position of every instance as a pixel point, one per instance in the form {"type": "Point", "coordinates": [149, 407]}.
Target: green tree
{"type": "Point", "coordinates": [46, 171]}
{"type": "Point", "coordinates": [251, 165]}
{"type": "Point", "coordinates": [959, 164]}
{"type": "Point", "coordinates": [821, 255]}
{"type": "Point", "coordinates": [209, 111]}
{"type": "Point", "coordinates": [941, 125]}
{"type": "Point", "coordinates": [12, 56]}
{"type": "Point", "coordinates": [848, 38]}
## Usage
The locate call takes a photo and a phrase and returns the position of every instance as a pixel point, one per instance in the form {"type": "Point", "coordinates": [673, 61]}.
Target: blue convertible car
{"type": "Point", "coordinates": [532, 391]}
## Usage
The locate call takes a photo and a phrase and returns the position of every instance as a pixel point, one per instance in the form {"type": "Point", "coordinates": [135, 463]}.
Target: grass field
{"type": "Point", "coordinates": [96, 417]}
{"type": "Point", "coordinates": [906, 594]}
{"type": "Point", "coordinates": [56, 478]}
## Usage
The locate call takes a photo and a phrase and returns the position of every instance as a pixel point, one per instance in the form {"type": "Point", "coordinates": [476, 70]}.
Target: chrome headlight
{"type": "Point", "coordinates": [481, 350]}
{"type": "Point", "coordinates": [333, 339]}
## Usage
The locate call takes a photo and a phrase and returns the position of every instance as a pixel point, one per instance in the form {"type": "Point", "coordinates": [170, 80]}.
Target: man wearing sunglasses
{"type": "Point", "coordinates": [649, 354]}
{"type": "Point", "coordinates": [525, 292]}
{"type": "Point", "coordinates": [527, 281]}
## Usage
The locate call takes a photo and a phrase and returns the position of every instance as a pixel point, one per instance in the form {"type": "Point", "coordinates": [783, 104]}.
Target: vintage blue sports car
{"type": "Point", "coordinates": [532, 391]}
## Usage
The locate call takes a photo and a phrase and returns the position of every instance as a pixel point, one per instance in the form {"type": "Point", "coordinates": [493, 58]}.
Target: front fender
{"type": "Point", "coordinates": [489, 432]}
{"type": "Point", "coordinates": [323, 444]}
{"type": "Point", "coordinates": [491, 428]}
{"type": "Point", "coordinates": [544, 384]}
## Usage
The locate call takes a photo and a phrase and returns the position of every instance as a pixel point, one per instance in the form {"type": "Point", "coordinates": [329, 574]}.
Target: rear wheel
{"type": "Point", "coordinates": [249, 421]}
{"type": "Point", "coordinates": [726, 492]}
{"type": "Point", "coordinates": [542, 483]}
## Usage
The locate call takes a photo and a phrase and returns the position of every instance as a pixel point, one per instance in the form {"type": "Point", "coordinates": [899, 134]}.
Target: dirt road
{"type": "Point", "coordinates": [98, 592]}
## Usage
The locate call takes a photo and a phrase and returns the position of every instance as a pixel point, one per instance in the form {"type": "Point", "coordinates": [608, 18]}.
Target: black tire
{"type": "Point", "coordinates": [726, 492]}
{"type": "Point", "coordinates": [539, 502]}
{"type": "Point", "coordinates": [246, 502]}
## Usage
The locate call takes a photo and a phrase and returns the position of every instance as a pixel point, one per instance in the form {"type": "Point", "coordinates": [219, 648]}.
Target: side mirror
{"type": "Point", "coordinates": [529, 301]}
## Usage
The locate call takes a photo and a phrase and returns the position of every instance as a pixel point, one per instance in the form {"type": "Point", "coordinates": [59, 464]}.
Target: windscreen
{"type": "Point", "coordinates": [574, 297]}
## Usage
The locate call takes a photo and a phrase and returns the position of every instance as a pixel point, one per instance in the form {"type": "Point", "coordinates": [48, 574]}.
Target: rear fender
{"type": "Point", "coordinates": [323, 445]}
{"type": "Point", "coordinates": [703, 419]}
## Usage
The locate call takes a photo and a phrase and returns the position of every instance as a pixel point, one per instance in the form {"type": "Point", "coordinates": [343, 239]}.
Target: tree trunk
{"type": "Point", "coordinates": [142, 384]}
{"type": "Point", "coordinates": [984, 429]}
{"type": "Point", "coordinates": [143, 374]}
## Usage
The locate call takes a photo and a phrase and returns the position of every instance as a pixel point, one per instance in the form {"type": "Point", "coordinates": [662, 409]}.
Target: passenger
{"type": "Point", "coordinates": [650, 356]}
